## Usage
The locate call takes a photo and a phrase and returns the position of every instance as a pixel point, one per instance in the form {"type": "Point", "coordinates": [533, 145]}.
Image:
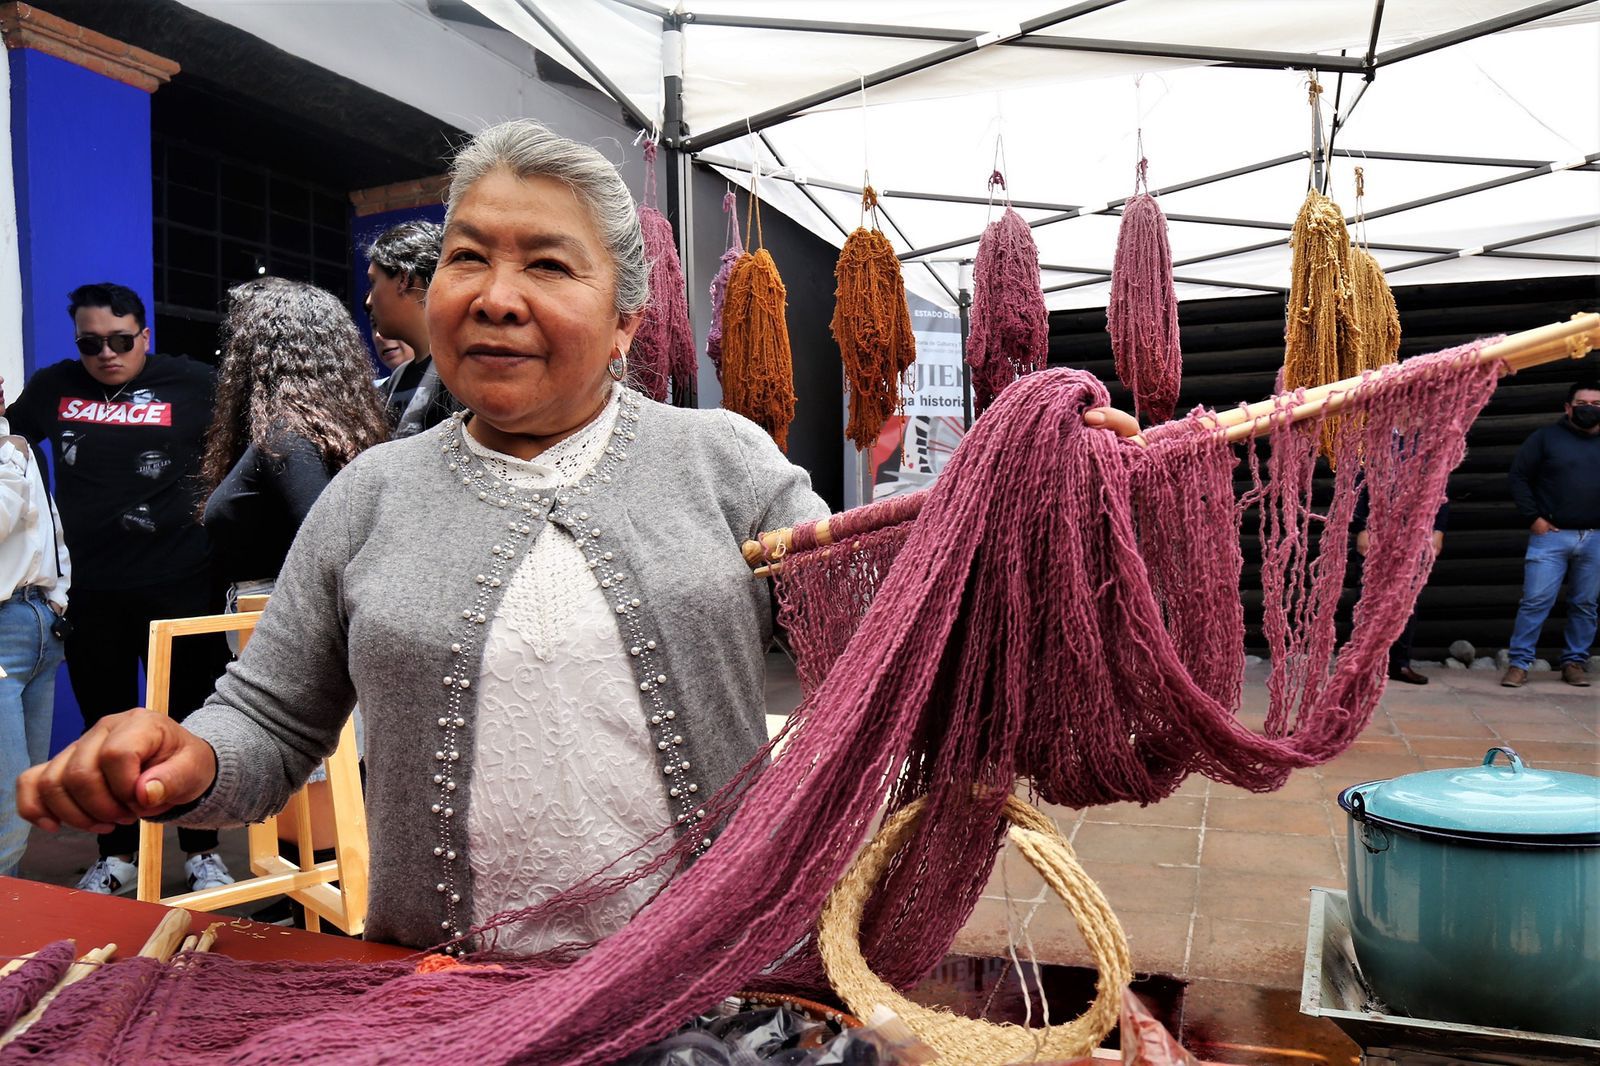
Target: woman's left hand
{"type": "Point", "coordinates": [1122, 422]}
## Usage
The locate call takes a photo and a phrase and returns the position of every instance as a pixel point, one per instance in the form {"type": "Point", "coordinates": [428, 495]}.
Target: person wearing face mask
{"type": "Point", "coordinates": [1555, 483]}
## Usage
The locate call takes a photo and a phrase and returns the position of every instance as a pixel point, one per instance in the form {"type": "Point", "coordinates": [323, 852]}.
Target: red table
{"type": "Point", "coordinates": [34, 914]}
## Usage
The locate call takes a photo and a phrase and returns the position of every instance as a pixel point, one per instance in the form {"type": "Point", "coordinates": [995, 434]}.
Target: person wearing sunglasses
{"type": "Point", "coordinates": [125, 427]}
{"type": "Point", "coordinates": [1555, 483]}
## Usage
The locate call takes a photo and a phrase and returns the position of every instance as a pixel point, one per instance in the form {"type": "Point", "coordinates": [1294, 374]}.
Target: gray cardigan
{"type": "Point", "coordinates": [387, 592]}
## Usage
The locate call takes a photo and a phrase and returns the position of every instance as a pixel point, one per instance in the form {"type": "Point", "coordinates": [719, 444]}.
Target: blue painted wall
{"type": "Point", "coordinates": [80, 145]}
{"type": "Point", "coordinates": [81, 152]}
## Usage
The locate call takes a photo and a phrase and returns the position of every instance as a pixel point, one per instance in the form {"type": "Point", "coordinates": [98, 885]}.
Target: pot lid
{"type": "Point", "coordinates": [1503, 797]}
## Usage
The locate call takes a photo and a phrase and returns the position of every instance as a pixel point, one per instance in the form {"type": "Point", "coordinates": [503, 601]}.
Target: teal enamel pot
{"type": "Point", "coordinates": [1475, 895]}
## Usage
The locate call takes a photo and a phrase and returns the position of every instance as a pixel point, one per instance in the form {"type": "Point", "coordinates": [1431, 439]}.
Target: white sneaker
{"type": "Point", "coordinates": [206, 870]}
{"type": "Point", "coordinates": [110, 877]}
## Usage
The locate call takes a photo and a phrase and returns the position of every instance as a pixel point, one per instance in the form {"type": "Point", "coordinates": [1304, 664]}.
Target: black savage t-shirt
{"type": "Point", "coordinates": [125, 462]}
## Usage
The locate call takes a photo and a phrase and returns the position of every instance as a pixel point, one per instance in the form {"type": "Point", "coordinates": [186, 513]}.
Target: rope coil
{"type": "Point", "coordinates": [970, 1040]}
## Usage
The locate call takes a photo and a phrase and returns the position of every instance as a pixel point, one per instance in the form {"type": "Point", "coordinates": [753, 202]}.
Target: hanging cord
{"type": "Point", "coordinates": [1361, 207]}
{"type": "Point", "coordinates": [869, 202]}
{"type": "Point", "coordinates": [1314, 97]}
{"type": "Point", "coordinates": [867, 193]}
{"type": "Point", "coordinates": [997, 174]}
{"type": "Point", "coordinates": [753, 210]}
{"type": "Point", "coordinates": [650, 171]}
{"type": "Point", "coordinates": [1141, 169]}
{"type": "Point", "coordinates": [730, 233]}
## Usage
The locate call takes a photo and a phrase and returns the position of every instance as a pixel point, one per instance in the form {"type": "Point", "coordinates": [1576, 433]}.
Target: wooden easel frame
{"type": "Point", "coordinates": [308, 882]}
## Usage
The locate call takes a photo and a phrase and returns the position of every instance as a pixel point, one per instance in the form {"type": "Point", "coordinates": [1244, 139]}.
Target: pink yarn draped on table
{"type": "Point", "coordinates": [1063, 612]}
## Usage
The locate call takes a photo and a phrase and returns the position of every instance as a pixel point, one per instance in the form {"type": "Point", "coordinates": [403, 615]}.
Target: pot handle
{"type": "Point", "coordinates": [1516, 760]}
{"type": "Point", "coordinates": [1373, 837]}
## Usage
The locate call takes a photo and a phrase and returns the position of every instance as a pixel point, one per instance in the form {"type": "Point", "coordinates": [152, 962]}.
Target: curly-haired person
{"type": "Point", "coordinates": [294, 405]}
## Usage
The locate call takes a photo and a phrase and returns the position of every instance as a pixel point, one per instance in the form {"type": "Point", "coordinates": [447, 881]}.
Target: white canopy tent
{"type": "Point", "coordinates": [1476, 122]}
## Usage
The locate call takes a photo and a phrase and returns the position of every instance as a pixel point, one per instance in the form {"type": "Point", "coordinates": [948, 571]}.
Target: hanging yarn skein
{"type": "Point", "coordinates": [1374, 317]}
{"type": "Point", "coordinates": [1010, 328]}
{"type": "Point", "coordinates": [1319, 328]}
{"type": "Point", "coordinates": [872, 324]}
{"type": "Point", "coordinates": [661, 362]}
{"type": "Point", "coordinates": [1142, 316]}
{"type": "Point", "coordinates": [757, 367]}
{"type": "Point", "coordinates": [719, 284]}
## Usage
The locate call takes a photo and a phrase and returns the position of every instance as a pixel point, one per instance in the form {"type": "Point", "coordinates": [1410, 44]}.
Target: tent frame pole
{"type": "Point", "coordinates": [1238, 57]}
{"type": "Point", "coordinates": [1100, 276]}
{"type": "Point", "coordinates": [829, 215]}
{"type": "Point", "coordinates": [851, 29]}
{"type": "Point", "coordinates": [680, 168]}
{"type": "Point", "coordinates": [1497, 249]}
{"type": "Point", "coordinates": [1432, 157]}
{"type": "Point", "coordinates": [1507, 21]}
{"type": "Point", "coordinates": [1115, 205]}
{"type": "Point", "coordinates": [773, 116]}
{"type": "Point", "coordinates": [592, 68]}
{"type": "Point", "coordinates": [1426, 201]}
{"type": "Point", "coordinates": [856, 190]}
{"type": "Point", "coordinates": [1370, 59]}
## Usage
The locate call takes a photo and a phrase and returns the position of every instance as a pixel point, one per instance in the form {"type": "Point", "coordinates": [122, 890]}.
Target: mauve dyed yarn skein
{"type": "Point", "coordinates": [1142, 316]}
{"type": "Point", "coordinates": [22, 988]}
{"type": "Point", "coordinates": [719, 284]}
{"type": "Point", "coordinates": [662, 362]}
{"type": "Point", "coordinates": [1010, 328]}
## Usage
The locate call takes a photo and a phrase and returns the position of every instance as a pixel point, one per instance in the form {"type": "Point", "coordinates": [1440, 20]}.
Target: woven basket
{"type": "Point", "coordinates": [969, 1040]}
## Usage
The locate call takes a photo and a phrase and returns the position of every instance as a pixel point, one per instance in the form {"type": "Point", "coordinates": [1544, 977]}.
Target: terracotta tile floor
{"type": "Point", "coordinates": [1212, 884]}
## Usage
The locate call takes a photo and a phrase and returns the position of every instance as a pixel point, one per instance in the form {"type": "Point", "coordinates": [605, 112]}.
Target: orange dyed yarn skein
{"type": "Point", "coordinates": [872, 325]}
{"type": "Point", "coordinates": [757, 367]}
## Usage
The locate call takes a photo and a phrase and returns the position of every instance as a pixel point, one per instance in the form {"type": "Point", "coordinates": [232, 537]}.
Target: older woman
{"type": "Point", "coordinates": [541, 606]}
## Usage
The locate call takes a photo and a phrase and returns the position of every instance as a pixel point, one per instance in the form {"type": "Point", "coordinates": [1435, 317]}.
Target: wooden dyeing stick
{"type": "Point", "coordinates": [196, 945]}
{"type": "Point", "coordinates": [16, 964]}
{"type": "Point", "coordinates": [1572, 339]}
{"type": "Point", "coordinates": [75, 973]}
{"type": "Point", "coordinates": [167, 936]}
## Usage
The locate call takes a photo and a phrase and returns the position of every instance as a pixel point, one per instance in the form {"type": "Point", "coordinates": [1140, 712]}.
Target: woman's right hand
{"type": "Point", "coordinates": [128, 766]}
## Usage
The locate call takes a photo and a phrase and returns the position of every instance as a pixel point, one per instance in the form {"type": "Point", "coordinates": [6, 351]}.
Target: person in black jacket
{"type": "Point", "coordinates": [294, 404]}
{"type": "Point", "coordinates": [124, 426]}
{"type": "Point", "coordinates": [400, 266]}
{"type": "Point", "coordinates": [1555, 483]}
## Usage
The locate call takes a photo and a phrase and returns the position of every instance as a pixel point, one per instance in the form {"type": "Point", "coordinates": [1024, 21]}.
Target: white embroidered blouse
{"type": "Point", "coordinates": [562, 746]}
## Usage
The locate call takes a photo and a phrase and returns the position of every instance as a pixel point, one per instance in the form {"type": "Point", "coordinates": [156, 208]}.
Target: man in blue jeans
{"type": "Point", "coordinates": [1555, 483]}
{"type": "Point", "coordinates": [34, 575]}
